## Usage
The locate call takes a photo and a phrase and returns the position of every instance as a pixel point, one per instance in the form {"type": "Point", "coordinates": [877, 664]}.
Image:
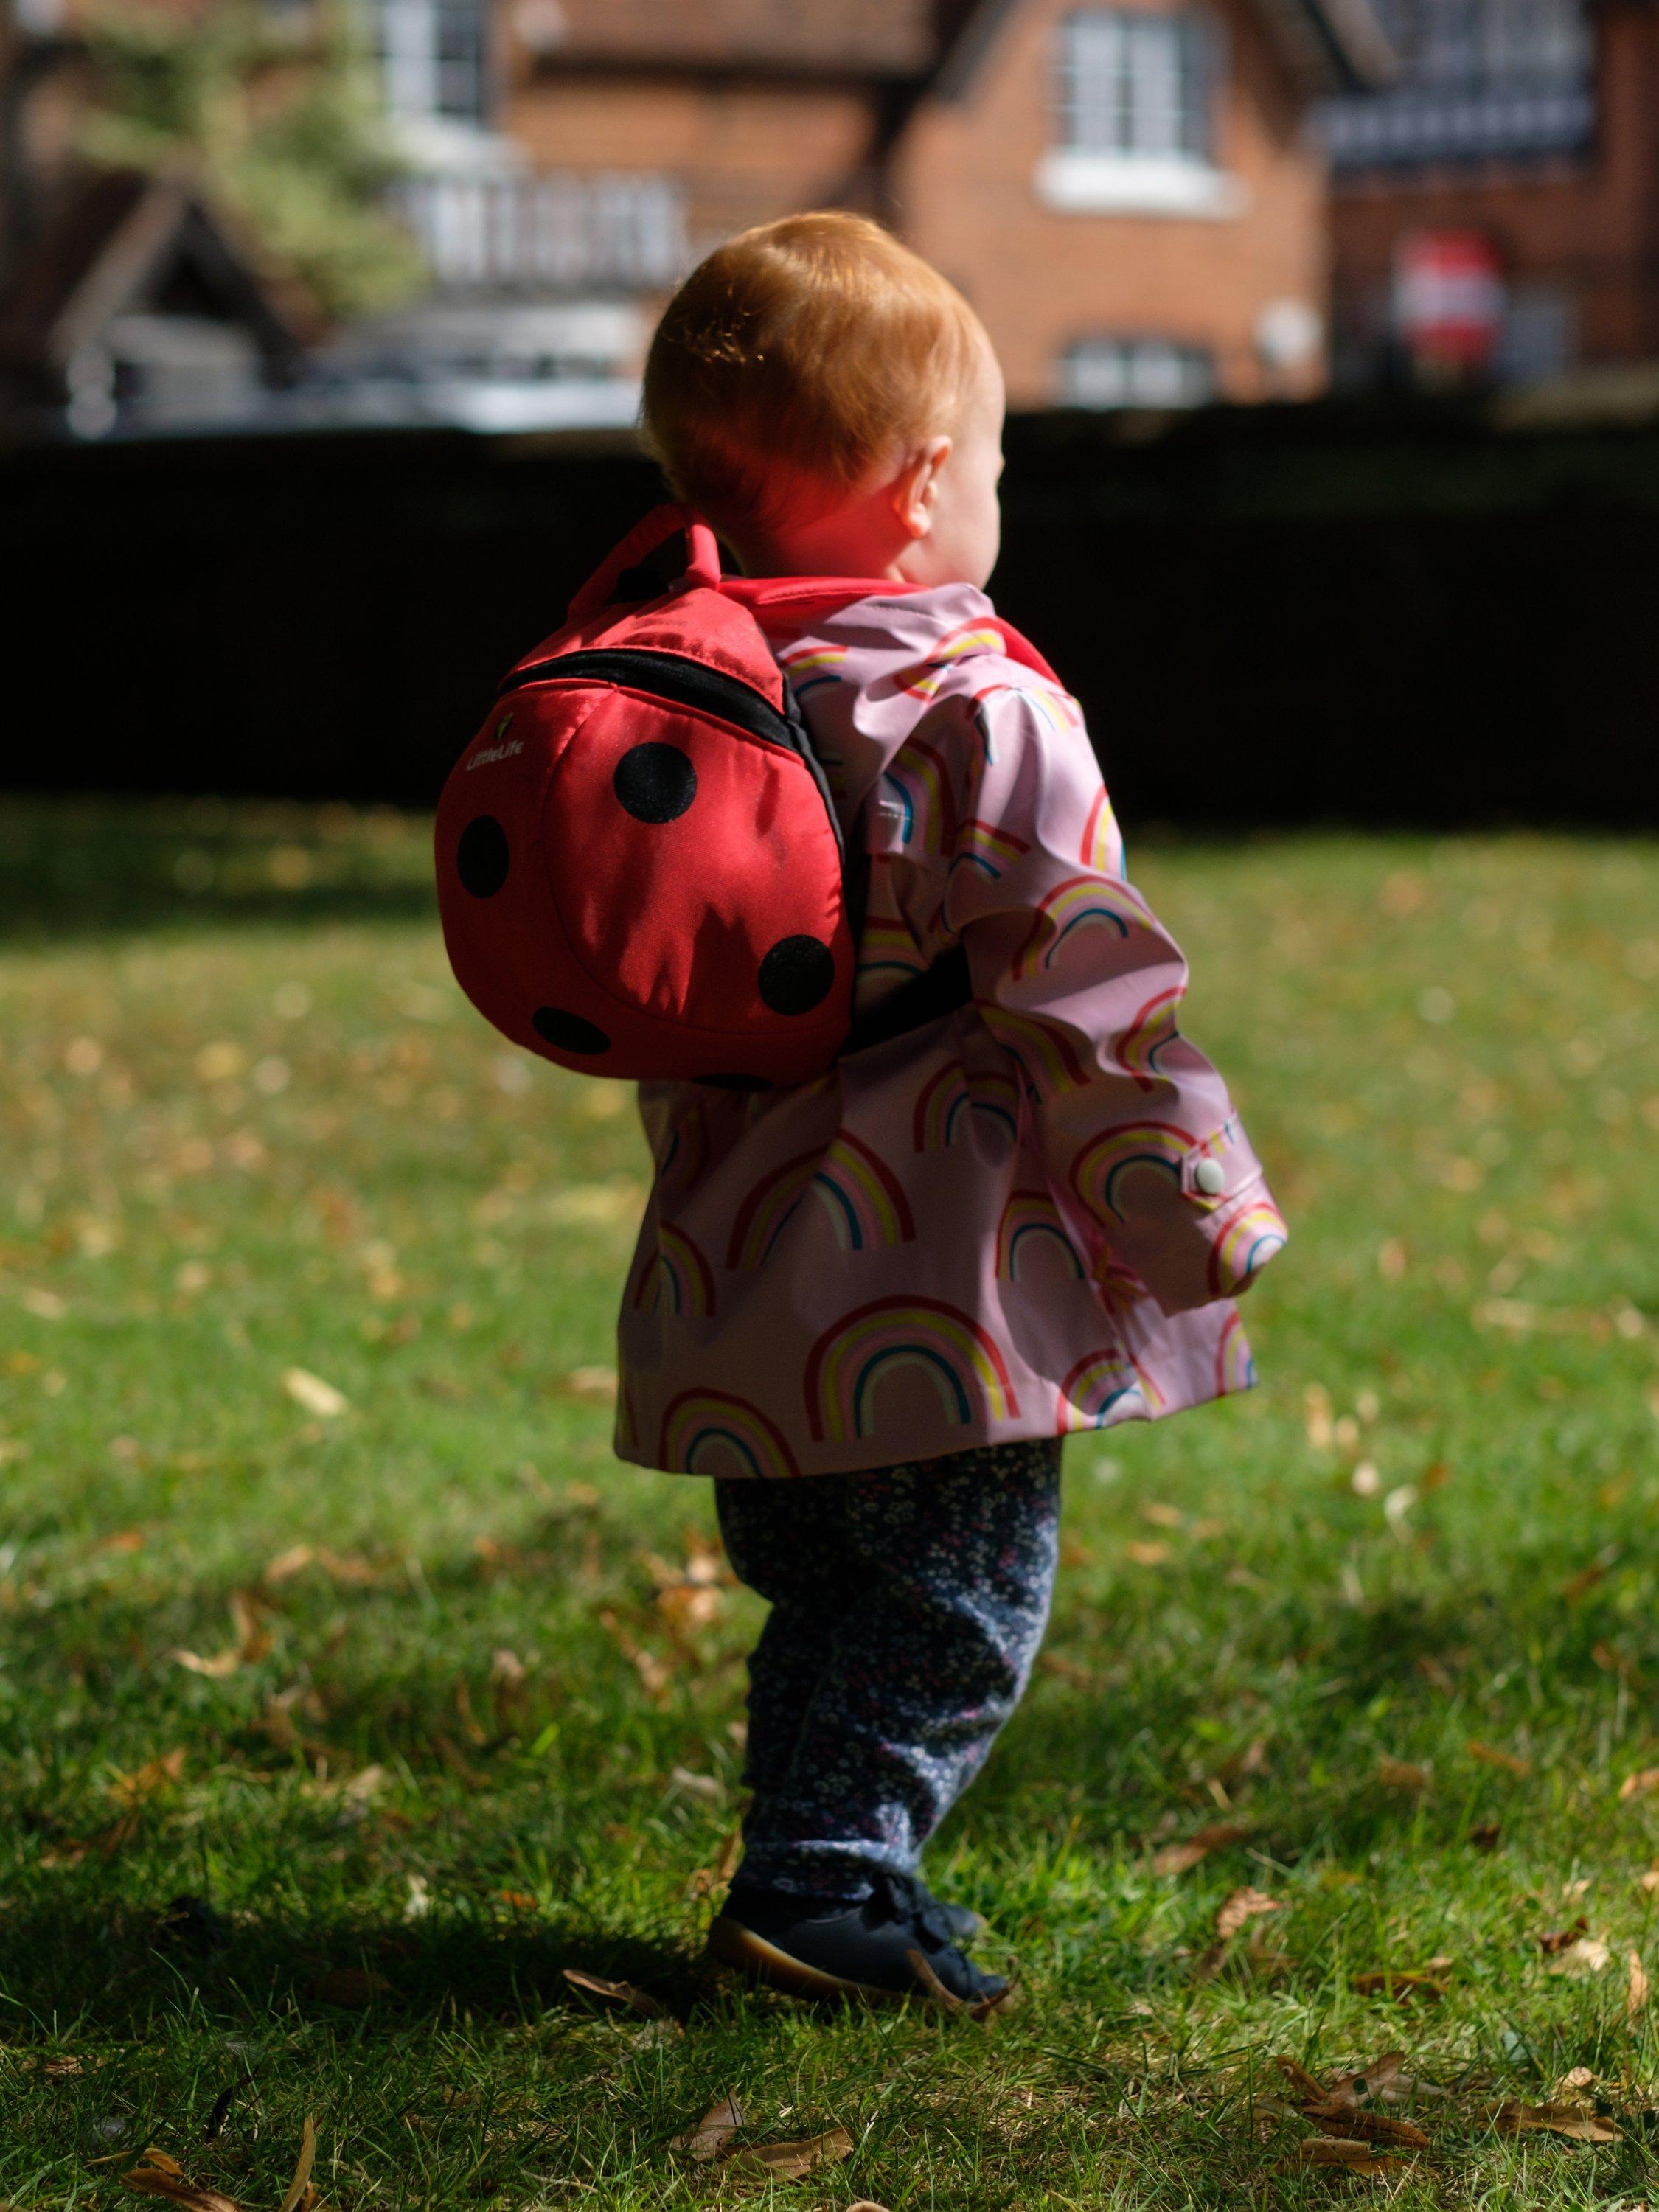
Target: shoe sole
{"type": "Point", "coordinates": [733, 1945]}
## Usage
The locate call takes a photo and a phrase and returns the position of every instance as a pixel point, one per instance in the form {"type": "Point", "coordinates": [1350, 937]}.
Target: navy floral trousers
{"type": "Point", "coordinates": [907, 1609]}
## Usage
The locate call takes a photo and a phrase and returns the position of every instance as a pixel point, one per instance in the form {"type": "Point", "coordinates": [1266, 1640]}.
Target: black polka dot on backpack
{"type": "Point", "coordinates": [654, 782]}
{"type": "Point", "coordinates": [797, 975]}
{"type": "Point", "coordinates": [482, 858]}
{"type": "Point", "coordinates": [568, 1032]}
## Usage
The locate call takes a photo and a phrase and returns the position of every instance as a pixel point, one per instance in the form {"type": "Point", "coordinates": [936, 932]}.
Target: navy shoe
{"type": "Point", "coordinates": [963, 1922]}
{"type": "Point", "coordinates": [898, 1943]}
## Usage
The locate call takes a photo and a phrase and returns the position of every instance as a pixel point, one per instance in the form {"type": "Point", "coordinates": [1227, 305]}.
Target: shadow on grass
{"type": "Point", "coordinates": [77, 868]}
{"type": "Point", "coordinates": [117, 1968]}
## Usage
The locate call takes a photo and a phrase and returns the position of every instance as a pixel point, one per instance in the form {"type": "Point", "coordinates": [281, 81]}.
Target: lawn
{"type": "Point", "coordinates": [349, 1693]}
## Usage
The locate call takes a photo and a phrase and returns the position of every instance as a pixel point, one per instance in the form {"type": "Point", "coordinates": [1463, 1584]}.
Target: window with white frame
{"type": "Point", "coordinates": [1135, 84]}
{"type": "Point", "coordinates": [1135, 371]}
{"type": "Point", "coordinates": [1477, 80]}
{"type": "Point", "coordinates": [433, 56]}
{"type": "Point", "coordinates": [1136, 94]}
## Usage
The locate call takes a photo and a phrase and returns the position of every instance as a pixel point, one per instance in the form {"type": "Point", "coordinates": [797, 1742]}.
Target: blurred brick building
{"type": "Point", "coordinates": [1518, 145]}
{"type": "Point", "coordinates": [1129, 191]}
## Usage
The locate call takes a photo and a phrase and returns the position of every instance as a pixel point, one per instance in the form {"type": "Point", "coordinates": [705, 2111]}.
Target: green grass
{"type": "Point", "coordinates": [249, 1127]}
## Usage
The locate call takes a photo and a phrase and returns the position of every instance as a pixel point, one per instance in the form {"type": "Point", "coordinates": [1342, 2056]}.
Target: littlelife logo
{"type": "Point", "coordinates": [499, 750]}
{"type": "Point", "coordinates": [494, 753]}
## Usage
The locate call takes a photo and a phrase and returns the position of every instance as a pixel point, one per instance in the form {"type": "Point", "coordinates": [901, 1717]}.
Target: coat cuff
{"type": "Point", "coordinates": [1212, 1231]}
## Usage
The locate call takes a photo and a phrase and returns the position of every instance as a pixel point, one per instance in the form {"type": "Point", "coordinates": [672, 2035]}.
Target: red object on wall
{"type": "Point", "coordinates": [1449, 302]}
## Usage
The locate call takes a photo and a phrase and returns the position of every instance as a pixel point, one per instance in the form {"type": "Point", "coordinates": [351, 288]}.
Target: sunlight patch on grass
{"type": "Point", "coordinates": [350, 1693]}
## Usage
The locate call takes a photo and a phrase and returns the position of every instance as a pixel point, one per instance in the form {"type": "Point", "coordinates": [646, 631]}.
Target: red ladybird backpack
{"type": "Point", "coordinates": [641, 872]}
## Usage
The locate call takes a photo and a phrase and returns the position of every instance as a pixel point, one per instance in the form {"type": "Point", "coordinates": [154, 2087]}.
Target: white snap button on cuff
{"type": "Point", "coordinates": [1210, 1176]}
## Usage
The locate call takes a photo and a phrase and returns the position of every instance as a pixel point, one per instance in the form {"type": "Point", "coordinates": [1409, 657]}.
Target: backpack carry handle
{"type": "Point", "coordinates": [703, 556]}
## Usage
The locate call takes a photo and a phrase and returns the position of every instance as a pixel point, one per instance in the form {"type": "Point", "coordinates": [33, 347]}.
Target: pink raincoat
{"type": "Point", "coordinates": [1027, 1218]}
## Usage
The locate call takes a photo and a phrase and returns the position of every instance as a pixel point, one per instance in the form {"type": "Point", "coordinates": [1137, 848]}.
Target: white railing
{"type": "Point", "coordinates": [557, 232]}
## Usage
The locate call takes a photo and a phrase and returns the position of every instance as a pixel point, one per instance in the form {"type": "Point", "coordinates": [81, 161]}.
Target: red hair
{"type": "Point", "coordinates": [795, 358]}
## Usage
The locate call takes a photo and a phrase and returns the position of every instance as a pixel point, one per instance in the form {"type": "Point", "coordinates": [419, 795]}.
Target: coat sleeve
{"type": "Point", "coordinates": [1075, 977]}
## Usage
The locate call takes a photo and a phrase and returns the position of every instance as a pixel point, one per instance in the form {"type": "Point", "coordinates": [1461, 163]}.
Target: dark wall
{"type": "Point", "coordinates": [1270, 614]}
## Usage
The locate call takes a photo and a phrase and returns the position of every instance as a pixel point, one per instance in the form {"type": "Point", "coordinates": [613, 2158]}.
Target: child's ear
{"type": "Point", "coordinates": [915, 489]}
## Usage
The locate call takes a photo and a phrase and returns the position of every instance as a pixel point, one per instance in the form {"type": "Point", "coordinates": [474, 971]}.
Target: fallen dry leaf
{"type": "Point", "coordinates": [1401, 1774]}
{"type": "Point", "coordinates": [713, 2131]}
{"type": "Point", "coordinates": [144, 1781]}
{"type": "Point", "coordinates": [316, 1397]}
{"type": "Point", "coordinates": [339, 1566]}
{"type": "Point", "coordinates": [1558, 1939]}
{"type": "Point", "coordinates": [1143, 1554]}
{"type": "Point", "coordinates": [299, 2188]}
{"type": "Point", "coordinates": [1635, 1994]}
{"type": "Point", "coordinates": [1512, 2117]}
{"type": "Point", "coordinates": [708, 1787]}
{"type": "Point", "coordinates": [1642, 1784]}
{"type": "Point", "coordinates": [595, 1383]}
{"type": "Point", "coordinates": [156, 2174]}
{"type": "Point", "coordinates": [1372, 2127]}
{"type": "Point", "coordinates": [1353, 2156]}
{"type": "Point", "coordinates": [1306, 2085]}
{"type": "Point", "coordinates": [1175, 1858]}
{"type": "Point", "coordinates": [1587, 1955]}
{"type": "Point", "coordinates": [788, 2162]}
{"type": "Point", "coordinates": [1243, 1904]}
{"type": "Point", "coordinates": [1336, 2103]}
{"type": "Point", "coordinates": [621, 1993]}
{"type": "Point", "coordinates": [1490, 1755]}
{"type": "Point", "coordinates": [656, 1674]}
{"type": "Point", "coordinates": [252, 1642]}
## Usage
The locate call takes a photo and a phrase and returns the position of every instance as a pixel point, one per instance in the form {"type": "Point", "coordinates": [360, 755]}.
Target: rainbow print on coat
{"type": "Point", "coordinates": [849, 1361]}
{"type": "Point", "coordinates": [1152, 1031]}
{"type": "Point", "coordinates": [1044, 1049]}
{"type": "Point", "coordinates": [1030, 1222]}
{"type": "Point", "coordinates": [923, 680]}
{"type": "Point", "coordinates": [1101, 1168]}
{"type": "Point", "coordinates": [687, 1150]}
{"type": "Point", "coordinates": [862, 1196]}
{"type": "Point", "coordinates": [1080, 903]}
{"type": "Point", "coordinates": [809, 667]}
{"type": "Point", "coordinates": [947, 1095]}
{"type": "Point", "coordinates": [1244, 1243]}
{"type": "Point", "coordinates": [920, 780]}
{"type": "Point", "coordinates": [988, 847]}
{"type": "Point", "coordinates": [701, 1429]}
{"type": "Point", "coordinates": [677, 1278]}
{"type": "Point", "coordinates": [1100, 840]}
{"type": "Point", "coordinates": [1118, 1284]}
{"type": "Point", "coordinates": [1094, 1390]}
{"type": "Point", "coordinates": [887, 947]}
{"type": "Point", "coordinates": [1235, 1369]}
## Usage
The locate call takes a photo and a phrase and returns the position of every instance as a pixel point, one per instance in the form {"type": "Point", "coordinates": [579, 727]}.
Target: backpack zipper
{"type": "Point", "coordinates": [671, 676]}
{"type": "Point", "coordinates": [683, 682]}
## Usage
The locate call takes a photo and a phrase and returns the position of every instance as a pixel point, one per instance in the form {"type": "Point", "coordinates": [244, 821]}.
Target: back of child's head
{"type": "Point", "coordinates": [794, 360]}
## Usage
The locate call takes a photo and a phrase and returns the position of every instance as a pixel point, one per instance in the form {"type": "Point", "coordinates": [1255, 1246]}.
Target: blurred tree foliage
{"type": "Point", "coordinates": [279, 115]}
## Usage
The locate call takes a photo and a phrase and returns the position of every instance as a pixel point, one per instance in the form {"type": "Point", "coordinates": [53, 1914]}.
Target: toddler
{"type": "Point", "coordinates": [871, 1307]}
